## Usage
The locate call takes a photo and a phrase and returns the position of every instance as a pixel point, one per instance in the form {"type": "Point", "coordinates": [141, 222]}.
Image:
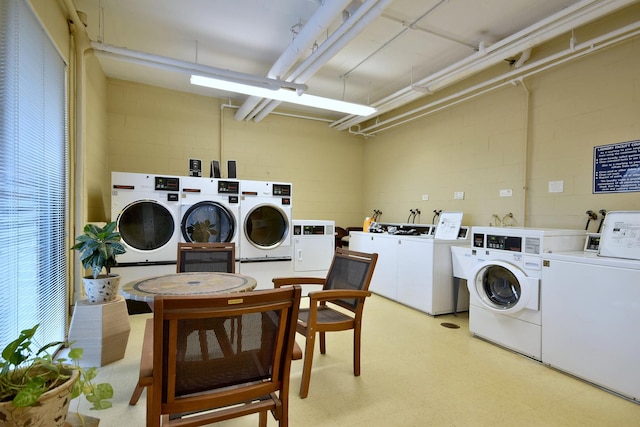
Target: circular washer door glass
{"type": "Point", "coordinates": [501, 287]}
{"type": "Point", "coordinates": [208, 222]}
{"type": "Point", "coordinates": [266, 227]}
{"type": "Point", "coordinates": [146, 225]}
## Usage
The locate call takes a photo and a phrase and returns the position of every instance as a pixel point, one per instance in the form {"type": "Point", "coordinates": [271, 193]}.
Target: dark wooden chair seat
{"type": "Point", "coordinates": [337, 307]}
{"type": "Point", "coordinates": [181, 380]}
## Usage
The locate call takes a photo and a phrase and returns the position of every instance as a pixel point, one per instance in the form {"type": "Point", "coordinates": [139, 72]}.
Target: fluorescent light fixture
{"type": "Point", "coordinates": [285, 95]}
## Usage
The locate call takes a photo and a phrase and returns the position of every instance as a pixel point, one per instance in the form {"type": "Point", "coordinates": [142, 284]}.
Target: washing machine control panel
{"type": "Point", "coordinates": [281, 190]}
{"type": "Point", "coordinates": [167, 183]}
{"type": "Point", "coordinates": [228, 187]}
{"type": "Point", "coordinates": [495, 241]}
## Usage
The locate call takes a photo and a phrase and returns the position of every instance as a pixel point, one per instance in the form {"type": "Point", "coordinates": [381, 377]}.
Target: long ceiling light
{"type": "Point", "coordinates": [285, 95]}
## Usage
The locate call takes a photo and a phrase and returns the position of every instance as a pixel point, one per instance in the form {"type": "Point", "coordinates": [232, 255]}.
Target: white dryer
{"type": "Point", "coordinates": [210, 210]}
{"type": "Point", "coordinates": [265, 218]}
{"type": "Point", "coordinates": [504, 283]}
{"type": "Point", "coordinates": [146, 209]}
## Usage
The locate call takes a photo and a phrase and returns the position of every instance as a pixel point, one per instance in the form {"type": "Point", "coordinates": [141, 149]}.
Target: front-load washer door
{"type": "Point", "coordinates": [266, 226]}
{"type": "Point", "coordinates": [146, 225]}
{"type": "Point", "coordinates": [503, 288]}
{"type": "Point", "coordinates": [208, 222]}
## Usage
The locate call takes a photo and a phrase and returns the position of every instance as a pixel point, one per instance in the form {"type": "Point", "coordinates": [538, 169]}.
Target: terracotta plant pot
{"type": "Point", "coordinates": [49, 411]}
{"type": "Point", "coordinates": [102, 289]}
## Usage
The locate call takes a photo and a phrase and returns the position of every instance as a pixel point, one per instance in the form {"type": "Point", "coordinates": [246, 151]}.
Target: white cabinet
{"type": "Point", "coordinates": [415, 271]}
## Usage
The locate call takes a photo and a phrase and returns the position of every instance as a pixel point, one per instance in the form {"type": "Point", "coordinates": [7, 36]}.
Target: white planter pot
{"type": "Point", "coordinates": [102, 289]}
{"type": "Point", "coordinates": [49, 411]}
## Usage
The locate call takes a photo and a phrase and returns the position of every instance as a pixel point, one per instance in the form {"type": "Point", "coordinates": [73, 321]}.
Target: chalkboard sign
{"type": "Point", "coordinates": [616, 168]}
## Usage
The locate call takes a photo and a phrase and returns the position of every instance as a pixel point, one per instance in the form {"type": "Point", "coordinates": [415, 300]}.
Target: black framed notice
{"type": "Point", "coordinates": [616, 168]}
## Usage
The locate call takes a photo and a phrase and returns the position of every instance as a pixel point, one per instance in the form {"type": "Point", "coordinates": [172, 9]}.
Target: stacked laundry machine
{"type": "Point", "coordinates": [156, 212]}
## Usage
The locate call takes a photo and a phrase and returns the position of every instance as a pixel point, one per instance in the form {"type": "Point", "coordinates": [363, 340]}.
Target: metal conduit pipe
{"type": "Point", "coordinates": [614, 37]}
{"type": "Point", "coordinates": [525, 150]}
{"type": "Point", "coordinates": [569, 18]}
{"type": "Point", "coordinates": [396, 36]}
{"type": "Point", "coordinates": [319, 22]}
{"type": "Point", "coordinates": [351, 28]}
{"type": "Point", "coordinates": [80, 40]}
{"type": "Point", "coordinates": [191, 67]}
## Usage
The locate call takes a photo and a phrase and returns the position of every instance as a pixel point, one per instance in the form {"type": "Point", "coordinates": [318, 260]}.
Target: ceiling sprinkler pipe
{"type": "Point", "coordinates": [311, 30]}
{"type": "Point", "coordinates": [327, 50]}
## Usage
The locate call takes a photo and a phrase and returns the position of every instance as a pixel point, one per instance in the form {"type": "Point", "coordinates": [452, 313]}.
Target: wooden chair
{"type": "Point", "coordinates": [187, 389]}
{"type": "Point", "coordinates": [198, 257]}
{"type": "Point", "coordinates": [337, 307]}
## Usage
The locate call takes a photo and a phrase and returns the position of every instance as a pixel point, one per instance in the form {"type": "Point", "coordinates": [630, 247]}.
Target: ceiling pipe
{"type": "Point", "coordinates": [573, 52]}
{"type": "Point", "coordinates": [567, 19]}
{"type": "Point", "coordinates": [357, 22]}
{"type": "Point", "coordinates": [336, 41]}
{"type": "Point", "coordinates": [319, 22]}
{"type": "Point", "coordinates": [396, 36]}
{"type": "Point", "coordinates": [192, 67]}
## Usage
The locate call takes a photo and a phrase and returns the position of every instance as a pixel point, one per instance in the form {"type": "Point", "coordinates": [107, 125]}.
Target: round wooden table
{"type": "Point", "coordinates": [180, 284]}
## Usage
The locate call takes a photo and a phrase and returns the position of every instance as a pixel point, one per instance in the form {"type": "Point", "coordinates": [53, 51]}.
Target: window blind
{"type": "Point", "coordinates": [33, 178]}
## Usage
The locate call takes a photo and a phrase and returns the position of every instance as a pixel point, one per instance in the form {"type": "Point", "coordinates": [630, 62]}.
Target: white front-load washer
{"type": "Point", "coordinates": [146, 209]}
{"type": "Point", "coordinates": [504, 283]}
{"type": "Point", "coordinates": [210, 211]}
{"type": "Point", "coordinates": [265, 218]}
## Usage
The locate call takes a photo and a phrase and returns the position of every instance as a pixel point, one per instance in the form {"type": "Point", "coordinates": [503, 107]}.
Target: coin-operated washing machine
{"type": "Point", "coordinates": [210, 211]}
{"type": "Point", "coordinates": [504, 283]}
{"type": "Point", "coordinates": [265, 236]}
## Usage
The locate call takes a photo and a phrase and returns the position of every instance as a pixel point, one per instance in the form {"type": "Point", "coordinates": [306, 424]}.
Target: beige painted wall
{"type": "Point", "coordinates": [480, 147]}
{"type": "Point", "coordinates": [96, 169]}
{"type": "Point", "coordinates": [154, 130]}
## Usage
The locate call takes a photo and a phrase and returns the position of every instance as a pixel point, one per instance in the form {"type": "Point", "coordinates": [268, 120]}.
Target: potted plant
{"type": "Point", "coordinates": [36, 389]}
{"type": "Point", "coordinates": [98, 247]}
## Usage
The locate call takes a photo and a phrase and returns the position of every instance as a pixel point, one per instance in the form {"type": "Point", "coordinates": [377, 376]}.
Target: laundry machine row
{"type": "Point", "coordinates": [503, 269]}
{"type": "Point", "coordinates": [154, 213]}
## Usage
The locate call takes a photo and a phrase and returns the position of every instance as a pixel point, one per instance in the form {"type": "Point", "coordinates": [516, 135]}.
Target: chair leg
{"type": "Point", "coordinates": [306, 368]}
{"type": "Point", "coordinates": [153, 418]}
{"type": "Point", "coordinates": [137, 392]}
{"type": "Point", "coordinates": [323, 343]}
{"type": "Point", "coordinates": [263, 419]}
{"type": "Point", "coordinates": [356, 350]}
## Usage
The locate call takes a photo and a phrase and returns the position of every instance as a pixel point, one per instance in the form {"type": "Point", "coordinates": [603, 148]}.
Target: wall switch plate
{"type": "Point", "coordinates": [507, 192]}
{"type": "Point", "coordinates": [458, 195]}
{"type": "Point", "coordinates": [425, 197]}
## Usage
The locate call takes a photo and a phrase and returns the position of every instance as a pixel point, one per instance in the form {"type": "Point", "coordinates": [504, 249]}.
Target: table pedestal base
{"type": "Point", "coordinates": [101, 330]}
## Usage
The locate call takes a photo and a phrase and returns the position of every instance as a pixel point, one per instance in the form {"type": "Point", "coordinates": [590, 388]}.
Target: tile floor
{"type": "Point", "coordinates": [415, 372]}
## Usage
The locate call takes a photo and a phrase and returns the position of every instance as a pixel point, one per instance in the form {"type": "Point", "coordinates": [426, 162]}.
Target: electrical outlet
{"type": "Point", "coordinates": [507, 192]}
{"type": "Point", "coordinates": [458, 195]}
{"type": "Point", "coordinates": [425, 197]}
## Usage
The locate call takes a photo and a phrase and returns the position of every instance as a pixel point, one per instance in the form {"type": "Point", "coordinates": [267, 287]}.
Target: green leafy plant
{"type": "Point", "coordinates": [27, 371]}
{"type": "Point", "coordinates": [201, 231]}
{"type": "Point", "coordinates": [98, 247]}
